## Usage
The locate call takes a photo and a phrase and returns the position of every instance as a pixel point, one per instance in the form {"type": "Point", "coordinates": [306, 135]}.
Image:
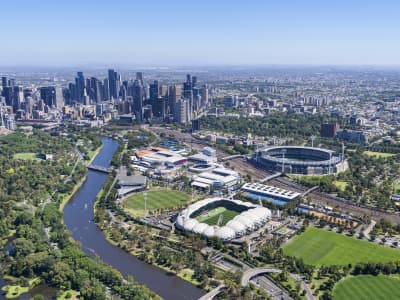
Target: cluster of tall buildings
{"type": "Point", "coordinates": [145, 101]}
{"type": "Point", "coordinates": [111, 97]}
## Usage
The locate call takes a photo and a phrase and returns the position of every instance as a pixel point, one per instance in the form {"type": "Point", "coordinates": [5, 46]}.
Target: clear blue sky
{"type": "Point", "coordinates": [203, 32]}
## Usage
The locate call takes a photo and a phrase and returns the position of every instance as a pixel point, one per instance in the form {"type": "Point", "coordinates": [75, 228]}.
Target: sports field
{"type": "Point", "coordinates": [156, 199]}
{"type": "Point", "coordinates": [378, 154]}
{"type": "Point", "coordinates": [320, 247]}
{"type": "Point", "coordinates": [211, 217]}
{"type": "Point", "coordinates": [367, 287]}
{"type": "Point", "coordinates": [26, 156]}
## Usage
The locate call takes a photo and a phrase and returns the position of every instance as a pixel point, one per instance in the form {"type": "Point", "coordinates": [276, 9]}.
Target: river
{"type": "Point", "coordinates": [78, 217]}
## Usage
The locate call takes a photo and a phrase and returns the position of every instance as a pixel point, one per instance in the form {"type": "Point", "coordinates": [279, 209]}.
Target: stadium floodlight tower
{"type": "Point", "coordinates": [283, 160]}
{"type": "Point", "coordinates": [145, 202]}
{"type": "Point", "coordinates": [312, 141]}
{"type": "Point", "coordinates": [342, 151]}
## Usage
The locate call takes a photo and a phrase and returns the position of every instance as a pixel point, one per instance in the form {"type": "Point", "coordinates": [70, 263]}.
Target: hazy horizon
{"type": "Point", "coordinates": [211, 33]}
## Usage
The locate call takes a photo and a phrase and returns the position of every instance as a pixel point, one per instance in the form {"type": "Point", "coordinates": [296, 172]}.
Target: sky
{"type": "Point", "coordinates": [204, 32]}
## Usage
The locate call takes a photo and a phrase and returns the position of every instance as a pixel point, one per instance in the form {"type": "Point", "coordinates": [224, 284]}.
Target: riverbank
{"type": "Point", "coordinates": [67, 197]}
{"type": "Point", "coordinates": [78, 217]}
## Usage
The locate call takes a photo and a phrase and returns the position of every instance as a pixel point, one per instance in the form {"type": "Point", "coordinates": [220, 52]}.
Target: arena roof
{"type": "Point", "coordinates": [249, 220]}
{"type": "Point", "coordinates": [270, 191]}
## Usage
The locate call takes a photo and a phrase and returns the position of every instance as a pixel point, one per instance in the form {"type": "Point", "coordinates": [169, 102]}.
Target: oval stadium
{"type": "Point", "coordinates": [223, 218]}
{"type": "Point", "coordinates": [299, 160]}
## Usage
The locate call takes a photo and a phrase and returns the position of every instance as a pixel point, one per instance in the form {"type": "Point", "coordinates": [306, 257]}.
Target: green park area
{"type": "Point", "coordinates": [26, 156]}
{"type": "Point", "coordinates": [320, 247]}
{"type": "Point", "coordinates": [157, 199]}
{"type": "Point", "coordinates": [14, 291]}
{"type": "Point", "coordinates": [68, 295]}
{"type": "Point", "coordinates": [378, 154]}
{"type": "Point", "coordinates": [340, 185]}
{"type": "Point", "coordinates": [211, 217]}
{"type": "Point", "coordinates": [367, 287]}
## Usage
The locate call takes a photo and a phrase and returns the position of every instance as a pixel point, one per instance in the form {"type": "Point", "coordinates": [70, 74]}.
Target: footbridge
{"type": "Point", "coordinates": [250, 273]}
{"type": "Point", "coordinates": [270, 177]}
{"type": "Point", "coordinates": [98, 168]}
{"type": "Point", "coordinates": [232, 157]}
{"type": "Point", "coordinates": [210, 295]}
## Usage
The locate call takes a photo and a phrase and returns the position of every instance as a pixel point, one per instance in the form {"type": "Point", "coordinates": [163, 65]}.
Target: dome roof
{"type": "Point", "coordinates": [225, 233]}
{"type": "Point", "coordinates": [189, 224]}
{"type": "Point", "coordinates": [210, 231]}
{"type": "Point", "coordinates": [245, 221]}
{"type": "Point", "coordinates": [236, 226]}
{"type": "Point", "coordinates": [200, 227]}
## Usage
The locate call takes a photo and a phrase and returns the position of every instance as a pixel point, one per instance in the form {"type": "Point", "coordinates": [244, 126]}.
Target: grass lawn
{"type": "Point", "coordinates": [70, 294]}
{"type": "Point", "coordinates": [367, 287]}
{"type": "Point", "coordinates": [14, 291]}
{"type": "Point", "coordinates": [341, 185]}
{"type": "Point", "coordinates": [156, 199]}
{"type": "Point", "coordinates": [211, 217]}
{"type": "Point", "coordinates": [320, 247]}
{"type": "Point", "coordinates": [26, 156]}
{"type": "Point", "coordinates": [378, 154]}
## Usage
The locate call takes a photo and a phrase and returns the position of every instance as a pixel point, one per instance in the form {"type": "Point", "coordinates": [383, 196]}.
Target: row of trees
{"type": "Point", "coordinates": [41, 245]}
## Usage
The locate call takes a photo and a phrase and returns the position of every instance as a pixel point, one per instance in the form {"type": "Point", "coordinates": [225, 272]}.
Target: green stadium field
{"type": "Point", "coordinates": [156, 199]}
{"type": "Point", "coordinates": [320, 247]}
{"type": "Point", "coordinates": [211, 217]}
{"type": "Point", "coordinates": [367, 287]}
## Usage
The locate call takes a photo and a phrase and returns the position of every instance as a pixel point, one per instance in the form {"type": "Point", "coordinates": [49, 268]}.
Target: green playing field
{"type": "Point", "coordinates": [156, 199]}
{"type": "Point", "coordinates": [320, 247]}
{"type": "Point", "coordinates": [367, 287]}
{"type": "Point", "coordinates": [211, 217]}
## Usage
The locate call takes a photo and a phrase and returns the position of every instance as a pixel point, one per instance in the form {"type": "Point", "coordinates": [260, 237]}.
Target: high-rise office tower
{"type": "Point", "coordinates": [95, 89]}
{"type": "Point", "coordinates": [29, 106]}
{"type": "Point", "coordinates": [48, 95]}
{"type": "Point", "coordinates": [174, 94]}
{"type": "Point", "coordinates": [204, 96]}
{"type": "Point", "coordinates": [180, 111]}
{"type": "Point", "coordinates": [4, 82]}
{"type": "Point", "coordinates": [8, 94]}
{"type": "Point", "coordinates": [80, 85]}
{"type": "Point", "coordinates": [154, 91]}
{"type": "Point", "coordinates": [138, 99]}
{"type": "Point", "coordinates": [106, 89]}
{"type": "Point", "coordinates": [188, 95]}
{"type": "Point", "coordinates": [59, 98]}
{"type": "Point", "coordinates": [139, 76]}
{"type": "Point", "coordinates": [113, 81]}
{"type": "Point", "coordinates": [18, 97]}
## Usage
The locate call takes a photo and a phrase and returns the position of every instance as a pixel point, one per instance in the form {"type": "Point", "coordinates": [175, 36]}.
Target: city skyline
{"type": "Point", "coordinates": [132, 33]}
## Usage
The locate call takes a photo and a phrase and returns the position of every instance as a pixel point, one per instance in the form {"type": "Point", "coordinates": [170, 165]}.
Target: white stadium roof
{"type": "Point", "coordinates": [270, 191]}
{"type": "Point", "coordinates": [248, 220]}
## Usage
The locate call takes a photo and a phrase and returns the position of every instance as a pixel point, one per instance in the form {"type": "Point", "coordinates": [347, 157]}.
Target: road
{"type": "Point", "coordinates": [273, 290]}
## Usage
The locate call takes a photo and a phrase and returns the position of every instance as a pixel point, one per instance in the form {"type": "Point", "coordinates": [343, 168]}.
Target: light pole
{"type": "Point", "coordinates": [145, 202]}
{"type": "Point", "coordinates": [283, 160]}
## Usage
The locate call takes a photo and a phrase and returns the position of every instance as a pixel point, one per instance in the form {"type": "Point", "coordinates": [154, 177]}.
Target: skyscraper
{"type": "Point", "coordinates": [113, 83]}
{"type": "Point", "coordinates": [174, 94]}
{"type": "Point", "coordinates": [4, 81]}
{"type": "Point", "coordinates": [52, 96]}
{"type": "Point", "coordinates": [180, 111]}
{"type": "Point", "coordinates": [138, 98]}
{"type": "Point", "coordinates": [80, 85]}
{"type": "Point", "coordinates": [139, 76]}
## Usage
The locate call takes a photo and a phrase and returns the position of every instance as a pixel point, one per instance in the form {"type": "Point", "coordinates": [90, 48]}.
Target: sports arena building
{"type": "Point", "coordinates": [251, 217]}
{"type": "Point", "coordinates": [300, 160]}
